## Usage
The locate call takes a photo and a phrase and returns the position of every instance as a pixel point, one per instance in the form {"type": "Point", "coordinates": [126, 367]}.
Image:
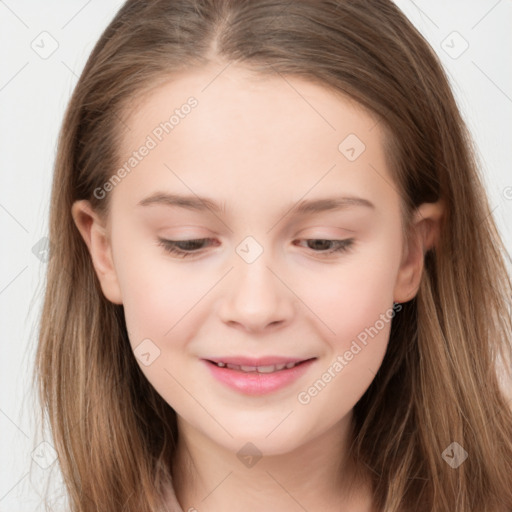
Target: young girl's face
{"type": "Point", "coordinates": [266, 283]}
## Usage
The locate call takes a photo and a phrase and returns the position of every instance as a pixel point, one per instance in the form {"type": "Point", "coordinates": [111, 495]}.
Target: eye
{"type": "Point", "coordinates": [185, 248]}
{"type": "Point", "coordinates": [182, 248]}
{"type": "Point", "coordinates": [334, 246]}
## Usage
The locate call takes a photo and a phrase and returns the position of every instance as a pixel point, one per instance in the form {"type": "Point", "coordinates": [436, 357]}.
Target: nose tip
{"type": "Point", "coordinates": [256, 298]}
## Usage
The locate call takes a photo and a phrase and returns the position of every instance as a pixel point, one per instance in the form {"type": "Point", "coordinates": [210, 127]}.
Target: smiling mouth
{"type": "Point", "coordinates": [259, 369]}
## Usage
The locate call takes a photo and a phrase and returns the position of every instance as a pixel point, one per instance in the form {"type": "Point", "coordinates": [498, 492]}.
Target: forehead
{"type": "Point", "coordinates": [251, 134]}
{"type": "Point", "coordinates": [234, 104]}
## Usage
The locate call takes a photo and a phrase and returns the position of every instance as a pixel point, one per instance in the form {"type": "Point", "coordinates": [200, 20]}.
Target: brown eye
{"type": "Point", "coordinates": [183, 248]}
{"type": "Point", "coordinates": [324, 246]}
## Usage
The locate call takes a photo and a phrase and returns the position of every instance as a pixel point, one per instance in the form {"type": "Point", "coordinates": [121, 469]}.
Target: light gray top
{"type": "Point", "coordinates": [172, 502]}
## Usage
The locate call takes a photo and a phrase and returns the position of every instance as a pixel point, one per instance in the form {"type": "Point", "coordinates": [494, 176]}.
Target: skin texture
{"type": "Point", "coordinates": [260, 145]}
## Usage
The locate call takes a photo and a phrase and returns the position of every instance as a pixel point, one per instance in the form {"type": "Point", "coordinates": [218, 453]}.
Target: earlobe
{"type": "Point", "coordinates": [95, 236]}
{"type": "Point", "coordinates": [424, 235]}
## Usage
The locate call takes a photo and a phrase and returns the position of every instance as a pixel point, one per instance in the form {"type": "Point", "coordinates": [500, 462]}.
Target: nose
{"type": "Point", "coordinates": [255, 297]}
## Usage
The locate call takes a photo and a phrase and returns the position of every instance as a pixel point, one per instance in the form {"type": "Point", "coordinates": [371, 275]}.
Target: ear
{"type": "Point", "coordinates": [424, 235]}
{"type": "Point", "coordinates": [95, 235]}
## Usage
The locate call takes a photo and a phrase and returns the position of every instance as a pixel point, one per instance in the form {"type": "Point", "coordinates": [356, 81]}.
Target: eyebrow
{"type": "Point", "coordinates": [310, 206]}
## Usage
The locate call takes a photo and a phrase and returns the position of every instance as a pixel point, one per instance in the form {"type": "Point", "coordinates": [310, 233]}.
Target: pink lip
{"type": "Point", "coordinates": [254, 383]}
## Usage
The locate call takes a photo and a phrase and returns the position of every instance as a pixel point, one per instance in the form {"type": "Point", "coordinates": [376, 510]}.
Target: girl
{"type": "Point", "coordinates": [274, 283]}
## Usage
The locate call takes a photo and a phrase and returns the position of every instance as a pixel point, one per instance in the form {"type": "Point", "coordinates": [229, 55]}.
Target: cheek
{"type": "Point", "coordinates": [355, 303]}
{"type": "Point", "coordinates": [354, 294]}
{"type": "Point", "coordinates": [159, 302]}
{"type": "Point", "coordinates": [156, 294]}
{"type": "Point", "coordinates": [361, 321]}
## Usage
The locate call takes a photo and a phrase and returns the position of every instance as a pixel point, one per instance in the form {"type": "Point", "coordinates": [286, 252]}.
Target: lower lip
{"type": "Point", "coordinates": [254, 383]}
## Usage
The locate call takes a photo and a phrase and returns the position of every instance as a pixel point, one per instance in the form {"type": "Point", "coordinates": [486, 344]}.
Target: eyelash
{"type": "Point", "coordinates": [170, 246]}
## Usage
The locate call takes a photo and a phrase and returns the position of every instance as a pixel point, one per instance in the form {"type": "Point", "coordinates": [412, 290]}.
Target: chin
{"type": "Point", "coordinates": [262, 440]}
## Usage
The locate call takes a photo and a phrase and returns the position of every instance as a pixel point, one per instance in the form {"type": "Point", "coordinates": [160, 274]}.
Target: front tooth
{"type": "Point", "coordinates": [248, 368]}
{"type": "Point", "coordinates": [259, 369]}
{"type": "Point", "coordinates": [266, 369]}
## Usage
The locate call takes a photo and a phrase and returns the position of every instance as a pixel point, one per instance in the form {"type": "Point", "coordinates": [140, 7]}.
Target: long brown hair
{"type": "Point", "coordinates": [440, 379]}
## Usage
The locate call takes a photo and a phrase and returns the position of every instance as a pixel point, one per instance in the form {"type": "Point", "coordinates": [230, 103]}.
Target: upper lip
{"type": "Point", "coordinates": [257, 361]}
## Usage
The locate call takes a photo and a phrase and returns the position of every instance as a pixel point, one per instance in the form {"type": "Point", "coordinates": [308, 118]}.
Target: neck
{"type": "Point", "coordinates": [317, 475]}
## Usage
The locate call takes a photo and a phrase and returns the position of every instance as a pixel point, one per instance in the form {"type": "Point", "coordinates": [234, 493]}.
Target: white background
{"type": "Point", "coordinates": [33, 94]}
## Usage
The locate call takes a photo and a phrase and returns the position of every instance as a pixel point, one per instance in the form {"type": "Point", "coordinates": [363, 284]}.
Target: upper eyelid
{"type": "Point", "coordinates": [347, 231]}
{"type": "Point", "coordinates": [164, 241]}
{"type": "Point", "coordinates": [206, 238]}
